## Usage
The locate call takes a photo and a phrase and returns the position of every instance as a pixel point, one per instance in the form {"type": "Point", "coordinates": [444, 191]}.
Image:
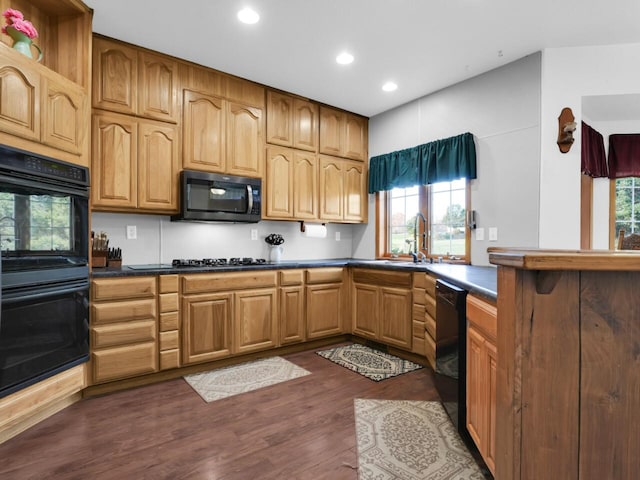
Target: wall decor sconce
{"type": "Point", "coordinates": [566, 127]}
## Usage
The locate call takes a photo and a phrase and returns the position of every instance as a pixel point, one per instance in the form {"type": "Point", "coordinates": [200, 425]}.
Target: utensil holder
{"type": "Point", "coordinates": [98, 258]}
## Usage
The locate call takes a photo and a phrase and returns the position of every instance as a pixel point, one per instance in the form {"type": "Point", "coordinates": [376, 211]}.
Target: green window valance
{"type": "Point", "coordinates": [440, 161]}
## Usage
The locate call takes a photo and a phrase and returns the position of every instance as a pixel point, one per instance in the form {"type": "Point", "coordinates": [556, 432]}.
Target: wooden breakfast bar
{"type": "Point", "coordinates": [568, 370]}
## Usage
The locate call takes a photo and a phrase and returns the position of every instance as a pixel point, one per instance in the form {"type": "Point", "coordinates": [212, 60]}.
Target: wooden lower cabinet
{"type": "Point", "coordinates": [169, 322]}
{"type": "Point", "coordinates": [292, 315]}
{"type": "Point", "coordinates": [255, 320]}
{"type": "Point", "coordinates": [382, 306]}
{"type": "Point", "coordinates": [482, 357]}
{"type": "Point", "coordinates": [325, 301]}
{"type": "Point", "coordinates": [206, 327]}
{"type": "Point", "coordinates": [124, 326]}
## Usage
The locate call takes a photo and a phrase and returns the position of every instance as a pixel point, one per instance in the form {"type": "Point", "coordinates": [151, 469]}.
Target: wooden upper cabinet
{"type": "Point", "coordinates": [355, 192]}
{"type": "Point", "coordinates": [331, 131]}
{"type": "Point", "coordinates": [134, 82]}
{"type": "Point", "coordinates": [292, 122]}
{"type": "Point", "coordinates": [19, 100]}
{"type": "Point", "coordinates": [305, 125]}
{"type": "Point", "coordinates": [158, 87]}
{"type": "Point", "coordinates": [244, 140]}
{"type": "Point", "coordinates": [115, 76]}
{"type": "Point", "coordinates": [203, 127]}
{"type": "Point", "coordinates": [114, 163]}
{"type": "Point", "coordinates": [64, 116]}
{"type": "Point", "coordinates": [158, 166]}
{"type": "Point", "coordinates": [305, 186]}
{"type": "Point", "coordinates": [331, 188]}
{"type": "Point", "coordinates": [343, 134]}
{"type": "Point", "coordinates": [279, 185]}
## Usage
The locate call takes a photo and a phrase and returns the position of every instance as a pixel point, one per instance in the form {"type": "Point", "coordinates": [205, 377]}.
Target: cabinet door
{"type": "Point", "coordinates": [355, 137]}
{"type": "Point", "coordinates": [158, 167]}
{"type": "Point", "coordinates": [305, 186]}
{"type": "Point", "coordinates": [355, 192]}
{"type": "Point", "coordinates": [490, 448]}
{"type": "Point", "coordinates": [279, 185]}
{"type": "Point", "coordinates": [292, 315]}
{"type": "Point", "coordinates": [305, 125]}
{"type": "Point", "coordinates": [115, 76]}
{"type": "Point", "coordinates": [203, 129]}
{"type": "Point", "coordinates": [365, 310]}
{"type": "Point", "coordinates": [324, 310]}
{"type": "Point", "coordinates": [206, 326]}
{"type": "Point", "coordinates": [331, 189]}
{"type": "Point", "coordinates": [63, 120]}
{"type": "Point", "coordinates": [331, 131]}
{"type": "Point", "coordinates": [114, 160]}
{"type": "Point", "coordinates": [395, 316]}
{"type": "Point", "coordinates": [245, 149]}
{"type": "Point", "coordinates": [476, 384]}
{"type": "Point", "coordinates": [158, 87]}
{"type": "Point", "coordinates": [19, 100]}
{"type": "Point", "coordinates": [279, 119]}
{"type": "Point", "coordinates": [255, 325]}
{"type": "Point", "coordinates": [122, 362]}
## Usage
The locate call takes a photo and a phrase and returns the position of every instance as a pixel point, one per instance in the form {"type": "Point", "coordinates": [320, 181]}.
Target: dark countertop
{"type": "Point", "coordinates": [479, 280]}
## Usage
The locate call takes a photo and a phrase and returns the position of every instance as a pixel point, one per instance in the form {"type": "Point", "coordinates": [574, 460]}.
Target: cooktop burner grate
{"type": "Point", "coordinates": [217, 262]}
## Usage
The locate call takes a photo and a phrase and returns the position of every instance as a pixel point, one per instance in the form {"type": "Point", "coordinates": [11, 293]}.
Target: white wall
{"type": "Point", "coordinates": [568, 74]}
{"type": "Point", "coordinates": [160, 240]}
{"type": "Point", "coordinates": [502, 110]}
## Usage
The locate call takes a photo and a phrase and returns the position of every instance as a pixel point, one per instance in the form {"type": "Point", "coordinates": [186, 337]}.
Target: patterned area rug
{"type": "Point", "coordinates": [242, 378]}
{"type": "Point", "coordinates": [410, 440]}
{"type": "Point", "coordinates": [368, 362]}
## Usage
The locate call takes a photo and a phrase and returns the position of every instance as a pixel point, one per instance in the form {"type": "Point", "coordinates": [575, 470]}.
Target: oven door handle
{"type": "Point", "coordinates": [37, 294]}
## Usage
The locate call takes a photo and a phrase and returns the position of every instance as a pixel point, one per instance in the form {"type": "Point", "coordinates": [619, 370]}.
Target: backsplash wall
{"type": "Point", "coordinates": [159, 240]}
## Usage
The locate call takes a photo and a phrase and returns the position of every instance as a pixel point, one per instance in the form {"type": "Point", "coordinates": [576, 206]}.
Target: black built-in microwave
{"type": "Point", "coordinates": [214, 197]}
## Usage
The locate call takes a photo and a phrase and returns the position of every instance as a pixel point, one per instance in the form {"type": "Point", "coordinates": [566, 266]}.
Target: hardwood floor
{"type": "Point", "coordinates": [300, 429]}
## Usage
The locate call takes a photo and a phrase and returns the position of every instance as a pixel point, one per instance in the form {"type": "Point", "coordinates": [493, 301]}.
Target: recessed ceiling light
{"type": "Point", "coordinates": [345, 58]}
{"type": "Point", "coordinates": [389, 87]}
{"type": "Point", "coordinates": [248, 15]}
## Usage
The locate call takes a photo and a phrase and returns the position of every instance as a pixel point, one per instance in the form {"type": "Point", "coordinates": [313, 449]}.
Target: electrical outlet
{"type": "Point", "coordinates": [337, 236]}
{"type": "Point", "coordinates": [132, 232]}
{"type": "Point", "coordinates": [480, 233]}
{"type": "Point", "coordinates": [254, 234]}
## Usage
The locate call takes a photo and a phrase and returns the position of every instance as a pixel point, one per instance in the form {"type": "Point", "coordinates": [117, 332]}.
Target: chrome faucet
{"type": "Point", "coordinates": [418, 254]}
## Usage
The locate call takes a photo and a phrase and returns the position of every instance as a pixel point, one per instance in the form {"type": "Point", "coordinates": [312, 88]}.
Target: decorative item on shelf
{"type": "Point", "coordinates": [22, 32]}
{"type": "Point", "coordinates": [99, 249]}
{"type": "Point", "coordinates": [275, 241]}
{"type": "Point", "coordinates": [566, 127]}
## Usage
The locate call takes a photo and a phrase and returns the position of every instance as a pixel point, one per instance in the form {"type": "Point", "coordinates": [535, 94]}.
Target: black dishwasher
{"type": "Point", "coordinates": [451, 352]}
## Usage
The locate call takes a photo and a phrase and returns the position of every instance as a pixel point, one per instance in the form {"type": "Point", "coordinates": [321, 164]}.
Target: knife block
{"type": "Point", "coordinates": [98, 258]}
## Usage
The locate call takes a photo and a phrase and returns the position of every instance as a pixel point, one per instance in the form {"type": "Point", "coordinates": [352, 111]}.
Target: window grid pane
{"type": "Point", "coordinates": [403, 206]}
{"type": "Point", "coordinates": [448, 200]}
{"type": "Point", "coordinates": [628, 205]}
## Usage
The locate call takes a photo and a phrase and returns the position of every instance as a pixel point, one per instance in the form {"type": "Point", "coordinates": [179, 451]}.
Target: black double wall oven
{"type": "Point", "coordinates": [44, 320]}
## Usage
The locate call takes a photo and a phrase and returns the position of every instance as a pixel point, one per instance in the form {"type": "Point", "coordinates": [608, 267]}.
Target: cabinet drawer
{"type": "Point", "coordinates": [291, 277]}
{"type": "Point", "coordinates": [169, 340]}
{"type": "Point", "coordinates": [122, 311]}
{"type": "Point", "coordinates": [169, 359]}
{"type": "Point", "coordinates": [430, 305]}
{"type": "Point", "coordinates": [418, 329]}
{"type": "Point", "coordinates": [418, 344]}
{"type": "Point", "coordinates": [168, 302]}
{"type": "Point", "coordinates": [430, 285]}
{"type": "Point", "coordinates": [382, 277]}
{"type": "Point", "coordinates": [204, 283]}
{"type": "Point", "coordinates": [418, 296]}
{"type": "Point", "coordinates": [168, 321]}
{"type": "Point", "coordinates": [430, 325]}
{"type": "Point", "coordinates": [324, 275]}
{"type": "Point", "coordinates": [167, 283]}
{"type": "Point", "coordinates": [430, 350]}
{"type": "Point", "coordinates": [419, 280]}
{"type": "Point", "coordinates": [122, 362]}
{"type": "Point", "coordinates": [418, 312]}
{"type": "Point", "coordinates": [121, 288]}
{"type": "Point", "coordinates": [123, 333]}
{"type": "Point", "coordinates": [483, 315]}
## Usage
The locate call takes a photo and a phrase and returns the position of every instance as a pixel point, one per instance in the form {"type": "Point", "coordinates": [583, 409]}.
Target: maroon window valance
{"type": "Point", "coordinates": [624, 155]}
{"type": "Point", "coordinates": [593, 157]}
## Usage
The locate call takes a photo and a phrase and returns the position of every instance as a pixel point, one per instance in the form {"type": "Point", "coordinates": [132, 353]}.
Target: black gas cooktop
{"type": "Point", "coordinates": [217, 262]}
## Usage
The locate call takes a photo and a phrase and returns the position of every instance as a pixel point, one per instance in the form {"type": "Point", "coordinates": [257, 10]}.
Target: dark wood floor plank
{"type": "Point", "coordinates": [301, 429]}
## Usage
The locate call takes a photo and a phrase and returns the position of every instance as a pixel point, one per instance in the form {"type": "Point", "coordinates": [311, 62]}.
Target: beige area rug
{"type": "Point", "coordinates": [246, 377]}
{"type": "Point", "coordinates": [410, 440]}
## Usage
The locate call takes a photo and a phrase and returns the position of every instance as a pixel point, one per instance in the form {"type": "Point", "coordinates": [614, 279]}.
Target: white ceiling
{"type": "Point", "coordinates": [422, 45]}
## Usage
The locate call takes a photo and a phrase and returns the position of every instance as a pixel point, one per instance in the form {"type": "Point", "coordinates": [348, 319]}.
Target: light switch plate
{"type": "Point", "coordinates": [132, 232]}
{"type": "Point", "coordinates": [337, 236]}
{"type": "Point", "coordinates": [479, 233]}
{"type": "Point", "coordinates": [493, 234]}
{"type": "Point", "coordinates": [254, 234]}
